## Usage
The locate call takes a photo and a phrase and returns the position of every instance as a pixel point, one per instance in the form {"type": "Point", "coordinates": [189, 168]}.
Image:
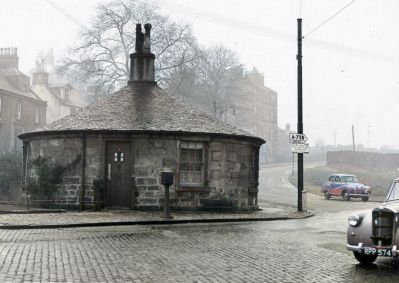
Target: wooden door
{"type": "Point", "coordinates": [118, 163]}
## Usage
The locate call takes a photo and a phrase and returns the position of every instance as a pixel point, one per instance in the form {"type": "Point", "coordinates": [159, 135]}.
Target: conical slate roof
{"type": "Point", "coordinates": [142, 108]}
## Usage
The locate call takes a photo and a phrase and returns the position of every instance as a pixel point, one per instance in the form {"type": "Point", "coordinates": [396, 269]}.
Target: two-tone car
{"type": "Point", "coordinates": [374, 232]}
{"type": "Point", "coordinates": [346, 186]}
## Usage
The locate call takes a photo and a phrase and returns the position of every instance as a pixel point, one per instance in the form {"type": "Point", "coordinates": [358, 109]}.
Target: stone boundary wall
{"type": "Point", "coordinates": [363, 160]}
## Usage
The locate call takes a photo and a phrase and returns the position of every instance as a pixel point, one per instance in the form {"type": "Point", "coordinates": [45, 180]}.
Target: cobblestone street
{"type": "Point", "coordinates": [250, 252]}
{"type": "Point", "coordinates": [297, 250]}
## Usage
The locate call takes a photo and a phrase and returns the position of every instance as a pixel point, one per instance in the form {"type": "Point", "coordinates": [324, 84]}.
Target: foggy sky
{"type": "Point", "coordinates": [350, 64]}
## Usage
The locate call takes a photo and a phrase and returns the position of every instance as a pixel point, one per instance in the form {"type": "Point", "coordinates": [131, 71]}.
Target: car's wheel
{"type": "Point", "coordinates": [345, 195]}
{"type": "Point", "coordinates": [327, 195]}
{"type": "Point", "coordinates": [365, 198]}
{"type": "Point", "coordinates": [364, 259]}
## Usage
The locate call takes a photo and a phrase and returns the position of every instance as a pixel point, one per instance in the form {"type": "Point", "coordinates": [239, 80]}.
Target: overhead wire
{"type": "Point", "coordinates": [253, 28]}
{"type": "Point", "coordinates": [66, 14]}
{"type": "Point", "coordinates": [274, 33]}
{"type": "Point", "coordinates": [330, 18]}
{"type": "Point", "coordinates": [226, 21]}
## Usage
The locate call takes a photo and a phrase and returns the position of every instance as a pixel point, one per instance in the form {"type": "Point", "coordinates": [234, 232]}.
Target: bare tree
{"type": "Point", "coordinates": [216, 74]}
{"type": "Point", "coordinates": [101, 56]}
{"type": "Point", "coordinates": [209, 79]}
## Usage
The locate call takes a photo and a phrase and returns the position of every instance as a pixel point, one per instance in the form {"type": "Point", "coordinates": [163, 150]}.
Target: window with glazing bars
{"type": "Point", "coordinates": [191, 163]}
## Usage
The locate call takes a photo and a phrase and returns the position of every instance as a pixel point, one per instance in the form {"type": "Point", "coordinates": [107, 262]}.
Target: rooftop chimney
{"type": "Point", "coordinates": [40, 76]}
{"type": "Point", "coordinates": [8, 58]}
{"type": "Point", "coordinates": [142, 61]}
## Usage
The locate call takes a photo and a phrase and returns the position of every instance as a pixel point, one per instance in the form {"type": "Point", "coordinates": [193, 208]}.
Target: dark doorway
{"type": "Point", "coordinates": [118, 175]}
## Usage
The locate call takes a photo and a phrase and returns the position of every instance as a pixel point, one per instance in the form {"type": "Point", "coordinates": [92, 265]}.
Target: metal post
{"type": "Point", "coordinates": [353, 138]}
{"type": "Point", "coordinates": [300, 123]}
{"type": "Point", "coordinates": [293, 164]}
{"type": "Point", "coordinates": [83, 180]}
{"type": "Point", "coordinates": [166, 209]}
{"type": "Point", "coordinates": [167, 181]}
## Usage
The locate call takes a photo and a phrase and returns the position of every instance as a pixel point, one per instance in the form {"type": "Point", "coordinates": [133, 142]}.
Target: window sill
{"type": "Point", "coordinates": [192, 189]}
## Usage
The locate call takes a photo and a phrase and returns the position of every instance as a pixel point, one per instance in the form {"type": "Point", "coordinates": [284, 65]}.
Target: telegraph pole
{"type": "Point", "coordinates": [300, 123]}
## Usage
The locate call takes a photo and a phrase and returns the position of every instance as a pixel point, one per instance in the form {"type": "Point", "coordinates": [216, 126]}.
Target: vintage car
{"type": "Point", "coordinates": [373, 232]}
{"type": "Point", "coordinates": [345, 186]}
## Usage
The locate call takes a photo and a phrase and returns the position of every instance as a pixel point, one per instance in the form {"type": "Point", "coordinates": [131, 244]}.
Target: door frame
{"type": "Point", "coordinates": [132, 183]}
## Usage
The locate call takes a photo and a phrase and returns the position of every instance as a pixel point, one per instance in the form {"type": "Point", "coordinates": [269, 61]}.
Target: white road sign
{"type": "Point", "coordinates": [295, 138]}
{"type": "Point", "coordinates": [300, 148]}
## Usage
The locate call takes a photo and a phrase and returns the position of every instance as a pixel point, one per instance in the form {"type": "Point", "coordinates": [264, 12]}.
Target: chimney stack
{"type": "Point", "coordinates": [142, 61]}
{"type": "Point", "coordinates": [8, 58]}
{"type": "Point", "coordinates": [40, 76]}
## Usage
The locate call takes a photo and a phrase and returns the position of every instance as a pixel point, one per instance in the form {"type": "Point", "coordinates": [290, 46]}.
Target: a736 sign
{"type": "Point", "coordinates": [297, 138]}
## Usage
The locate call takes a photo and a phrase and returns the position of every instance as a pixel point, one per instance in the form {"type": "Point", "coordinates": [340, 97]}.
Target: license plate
{"type": "Point", "coordinates": [375, 251]}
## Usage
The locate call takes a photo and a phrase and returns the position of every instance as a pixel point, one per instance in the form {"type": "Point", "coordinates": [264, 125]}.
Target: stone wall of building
{"type": "Point", "coordinates": [66, 151]}
{"type": "Point", "coordinates": [60, 151]}
{"type": "Point", "coordinates": [151, 156]}
{"type": "Point", "coordinates": [94, 171]}
{"type": "Point", "coordinates": [230, 172]}
{"type": "Point", "coordinates": [230, 175]}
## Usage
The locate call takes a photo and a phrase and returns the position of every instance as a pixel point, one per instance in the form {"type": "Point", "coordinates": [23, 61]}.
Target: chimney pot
{"type": "Point", "coordinates": [139, 38]}
{"type": "Point", "coordinates": [147, 38]}
{"type": "Point", "coordinates": [142, 61]}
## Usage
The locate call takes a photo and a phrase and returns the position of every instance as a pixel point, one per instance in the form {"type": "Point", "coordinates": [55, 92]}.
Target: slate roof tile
{"type": "Point", "coordinates": [143, 108]}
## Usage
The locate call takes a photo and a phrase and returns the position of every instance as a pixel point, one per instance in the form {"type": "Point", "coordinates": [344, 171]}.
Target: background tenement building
{"type": "Point", "coordinates": [61, 97]}
{"type": "Point", "coordinates": [253, 108]}
{"type": "Point", "coordinates": [21, 109]}
{"type": "Point", "coordinates": [242, 100]}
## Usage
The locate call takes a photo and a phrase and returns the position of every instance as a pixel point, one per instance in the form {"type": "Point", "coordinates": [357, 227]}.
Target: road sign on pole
{"type": "Point", "coordinates": [300, 148]}
{"type": "Point", "coordinates": [295, 137]}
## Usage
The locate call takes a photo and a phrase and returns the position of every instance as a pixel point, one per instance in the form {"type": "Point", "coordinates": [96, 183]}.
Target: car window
{"type": "Point", "coordinates": [337, 179]}
{"type": "Point", "coordinates": [332, 178]}
{"type": "Point", "coordinates": [349, 179]}
{"type": "Point", "coordinates": [394, 194]}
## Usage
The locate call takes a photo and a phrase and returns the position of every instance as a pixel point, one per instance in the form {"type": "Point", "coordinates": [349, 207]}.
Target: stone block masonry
{"type": "Point", "coordinates": [59, 151]}
{"type": "Point", "coordinates": [228, 174]}
{"type": "Point", "coordinates": [228, 183]}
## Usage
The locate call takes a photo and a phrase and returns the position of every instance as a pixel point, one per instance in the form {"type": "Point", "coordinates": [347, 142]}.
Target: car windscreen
{"type": "Point", "coordinates": [349, 179]}
{"type": "Point", "coordinates": [394, 192]}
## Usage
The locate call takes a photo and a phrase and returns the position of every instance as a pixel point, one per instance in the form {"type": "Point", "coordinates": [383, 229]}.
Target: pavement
{"type": "Point", "coordinates": [14, 217]}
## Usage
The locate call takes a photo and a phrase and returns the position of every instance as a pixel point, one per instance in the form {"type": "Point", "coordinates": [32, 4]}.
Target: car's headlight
{"type": "Point", "coordinates": [354, 220]}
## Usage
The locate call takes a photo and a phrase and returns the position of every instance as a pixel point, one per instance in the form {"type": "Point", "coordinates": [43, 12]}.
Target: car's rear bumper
{"type": "Point", "coordinates": [355, 248]}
